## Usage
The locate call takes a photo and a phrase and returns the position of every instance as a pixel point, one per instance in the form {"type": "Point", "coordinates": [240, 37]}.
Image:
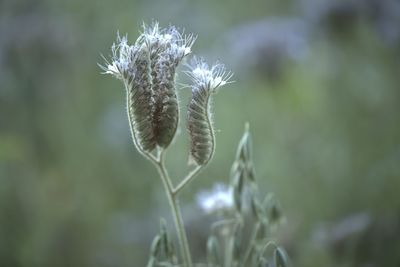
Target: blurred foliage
{"type": "Point", "coordinates": [317, 80]}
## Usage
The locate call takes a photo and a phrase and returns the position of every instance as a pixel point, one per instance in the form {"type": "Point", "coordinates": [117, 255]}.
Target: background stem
{"type": "Point", "coordinates": [251, 244]}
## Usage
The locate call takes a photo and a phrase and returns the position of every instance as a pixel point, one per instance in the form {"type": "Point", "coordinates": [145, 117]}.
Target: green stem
{"type": "Point", "coordinates": [251, 243]}
{"type": "Point", "coordinates": [187, 179]}
{"type": "Point", "coordinates": [159, 163]}
{"type": "Point", "coordinates": [176, 212]}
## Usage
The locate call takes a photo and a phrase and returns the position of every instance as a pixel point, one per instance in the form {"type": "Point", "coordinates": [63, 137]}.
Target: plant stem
{"type": "Point", "coordinates": [176, 212]}
{"type": "Point", "coordinates": [251, 243]}
{"type": "Point", "coordinates": [159, 163]}
{"type": "Point", "coordinates": [187, 179]}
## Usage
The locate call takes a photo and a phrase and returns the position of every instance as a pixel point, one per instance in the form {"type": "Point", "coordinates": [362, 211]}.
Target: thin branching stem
{"type": "Point", "coordinates": [159, 163]}
{"type": "Point", "coordinates": [187, 179]}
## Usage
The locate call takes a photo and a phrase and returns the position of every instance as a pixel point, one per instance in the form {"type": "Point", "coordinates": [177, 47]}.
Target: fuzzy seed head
{"type": "Point", "coordinates": [140, 101]}
{"type": "Point", "coordinates": [199, 122]}
{"type": "Point", "coordinates": [131, 65]}
{"type": "Point", "coordinates": [167, 49]}
{"type": "Point", "coordinates": [147, 69]}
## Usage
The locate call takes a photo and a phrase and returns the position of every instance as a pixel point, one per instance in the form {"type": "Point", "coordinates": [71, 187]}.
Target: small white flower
{"type": "Point", "coordinates": [219, 198]}
{"type": "Point", "coordinates": [169, 40]}
{"type": "Point", "coordinates": [123, 59]}
{"type": "Point", "coordinates": [165, 45]}
{"type": "Point", "coordinates": [208, 78]}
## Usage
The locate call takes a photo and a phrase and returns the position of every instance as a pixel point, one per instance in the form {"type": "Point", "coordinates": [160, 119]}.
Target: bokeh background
{"type": "Point", "coordinates": [319, 82]}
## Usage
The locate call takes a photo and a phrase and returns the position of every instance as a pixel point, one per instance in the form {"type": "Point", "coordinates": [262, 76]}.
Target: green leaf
{"type": "Point", "coordinates": [280, 258]}
{"type": "Point", "coordinates": [213, 251]}
{"type": "Point", "coordinates": [155, 247]}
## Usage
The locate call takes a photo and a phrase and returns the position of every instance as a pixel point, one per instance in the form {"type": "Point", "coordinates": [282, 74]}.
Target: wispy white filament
{"type": "Point", "coordinates": [168, 43]}
{"type": "Point", "coordinates": [209, 78]}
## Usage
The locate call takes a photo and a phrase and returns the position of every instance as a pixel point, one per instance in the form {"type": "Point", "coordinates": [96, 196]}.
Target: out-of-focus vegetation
{"type": "Point", "coordinates": [317, 80]}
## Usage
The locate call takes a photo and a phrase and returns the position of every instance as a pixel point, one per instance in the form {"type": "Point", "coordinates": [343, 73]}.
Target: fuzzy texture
{"type": "Point", "coordinates": [200, 128]}
{"type": "Point", "coordinates": [131, 65]}
{"type": "Point", "coordinates": [147, 69]}
{"type": "Point", "coordinates": [166, 112]}
{"type": "Point", "coordinates": [167, 49]}
{"type": "Point", "coordinates": [140, 102]}
{"type": "Point", "coordinates": [206, 80]}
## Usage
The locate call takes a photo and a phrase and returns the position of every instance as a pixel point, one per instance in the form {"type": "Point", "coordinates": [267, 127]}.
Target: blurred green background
{"type": "Point", "coordinates": [319, 82]}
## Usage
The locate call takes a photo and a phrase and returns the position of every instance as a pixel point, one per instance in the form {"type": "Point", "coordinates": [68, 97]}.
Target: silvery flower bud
{"type": "Point", "coordinates": [130, 63]}
{"type": "Point", "coordinates": [140, 102]}
{"type": "Point", "coordinates": [206, 81]}
{"type": "Point", "coordinates": [147, 69]}
{"type": "Point", "coordinates": [167, 49]}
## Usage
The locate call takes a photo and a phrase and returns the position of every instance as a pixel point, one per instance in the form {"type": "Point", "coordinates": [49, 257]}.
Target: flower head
{"type": "Point", "coordinates": [147, 69]}
{"type": "Point", "coordinates": [206, 80]}
{"type": "Point", "coordinates": [167, 42]}
{"type": "Point", "coordinates": [166, 45]}
{"type": "Point", "coordinates": [209, 78]}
